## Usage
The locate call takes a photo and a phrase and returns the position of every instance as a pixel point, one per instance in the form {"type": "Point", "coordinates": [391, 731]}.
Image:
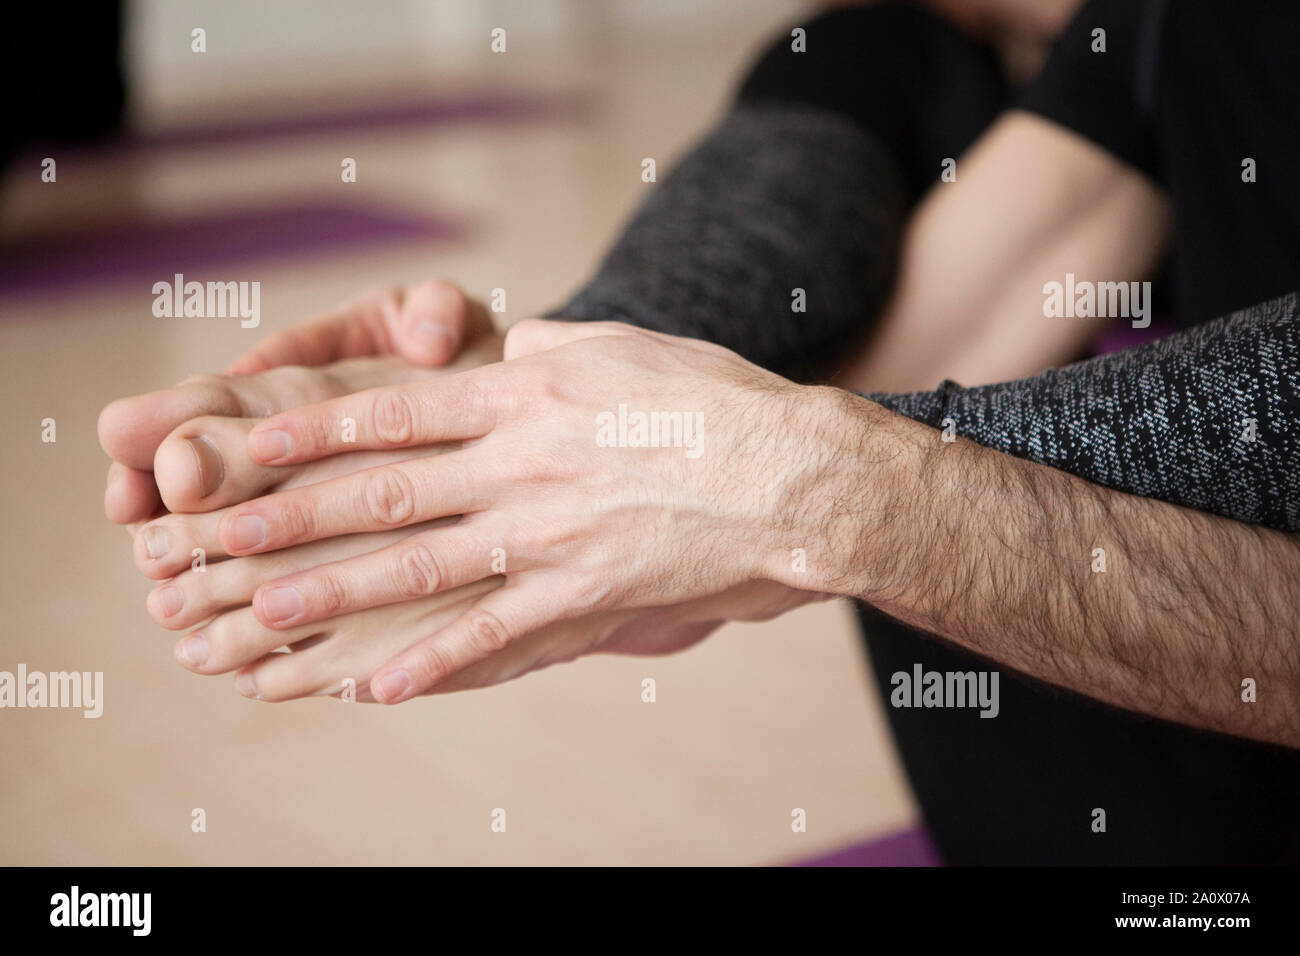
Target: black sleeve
{"type": "Point", "coordinates": [776, 235]}
{"type": "Point", "coordinates": [1205, 418]}
{"type": "Point", "coordinates": [1107, 97]}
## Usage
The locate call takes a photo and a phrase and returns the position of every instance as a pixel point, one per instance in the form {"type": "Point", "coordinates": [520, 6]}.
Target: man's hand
{"type": "Point", "coordinates": [603, 469]}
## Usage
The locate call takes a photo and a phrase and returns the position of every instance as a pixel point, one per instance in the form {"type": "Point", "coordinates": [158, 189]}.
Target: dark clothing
{"type": "Point", "coordinates": [1187, 91]}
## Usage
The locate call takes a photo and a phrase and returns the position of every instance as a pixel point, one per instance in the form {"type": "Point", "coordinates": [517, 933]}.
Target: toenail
{"type": "Point", "coordinates": [281, 604]}
{"type": "Point", "coordinates": [394, 685]}
{"type": "Point", "coordinates": [156, 542]}
{"type": "Point", "coordinates": [193, 650]}
{"type": "Point", "coordinates": [269, 446]}
{"type": "Point", "coordinates": [244, 684]}
{"type": "Point", "coordinates": [247, 531]}
{"type": "Point", "coordinates": [170, 600]}
{"type": "Point", "coordinates": [211, 466]}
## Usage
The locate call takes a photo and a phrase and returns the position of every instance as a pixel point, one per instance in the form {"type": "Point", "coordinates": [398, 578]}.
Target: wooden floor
{"type": "Point", "coordinates": [759, 720]}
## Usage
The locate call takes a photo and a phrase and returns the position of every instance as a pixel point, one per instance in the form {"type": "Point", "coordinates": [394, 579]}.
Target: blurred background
{"type": "Point", "coordinates": [500, 170]}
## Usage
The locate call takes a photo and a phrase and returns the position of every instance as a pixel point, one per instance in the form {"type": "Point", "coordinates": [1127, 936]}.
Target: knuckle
{"type": "Point", "coordinates": [486, 632]}
{"type": "Point", "coordinates": [394, 418]}
{"type": "Point", "coordinates": [433, 662]}
{"type": "Point", "coordinates": [297, 520]}
{"type": "Point", "coordinates": [537, 467]}
{"type": "Point", "coordinates": [322, 433]}
{"type": "Point", "coordinates": [419, 571]}
{"type": "Point", "coordinates": [331, 594]}
{"type": "Point", "coordinates": [389, 497]}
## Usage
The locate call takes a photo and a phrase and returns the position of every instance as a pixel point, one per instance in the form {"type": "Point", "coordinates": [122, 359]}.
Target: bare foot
{"type": "Point", "coordinates": [131, 429]}
{"type": "Point", "coordinates": [202, 465]}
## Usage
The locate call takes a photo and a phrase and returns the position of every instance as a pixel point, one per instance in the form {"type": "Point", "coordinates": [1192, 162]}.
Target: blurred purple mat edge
{"type": "Point", "coordinates": [152, 250]}
{"type": "Point", "coordinates": [908, 848]}
{"type": "Point", "coordinates": [392, 116]}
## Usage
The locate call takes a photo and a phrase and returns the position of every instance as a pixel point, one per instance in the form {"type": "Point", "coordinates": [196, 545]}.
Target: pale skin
{"type": "Point", "coordinates": [991, 552]}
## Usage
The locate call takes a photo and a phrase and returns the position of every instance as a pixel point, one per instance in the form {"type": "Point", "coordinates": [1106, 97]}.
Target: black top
{"type": "Point", "coordinates": [1186, 91]}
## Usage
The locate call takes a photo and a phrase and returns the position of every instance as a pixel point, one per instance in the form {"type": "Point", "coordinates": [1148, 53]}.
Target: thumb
{"type": "Point", "coordinates": [433, 321]}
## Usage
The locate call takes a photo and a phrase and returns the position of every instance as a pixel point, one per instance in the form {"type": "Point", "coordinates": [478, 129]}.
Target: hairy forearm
{"type": "Point", "coordinates": [1004, 557]}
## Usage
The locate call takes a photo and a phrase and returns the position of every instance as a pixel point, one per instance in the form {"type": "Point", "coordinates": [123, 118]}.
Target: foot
{"type": "Point", "coordinates": [202, 468]}
{"type": "Point", "coordinates": [131, 429]}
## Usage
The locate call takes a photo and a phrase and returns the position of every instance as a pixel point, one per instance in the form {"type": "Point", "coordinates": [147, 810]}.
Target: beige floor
{"type": "Point", "coordinates": [757, 721]}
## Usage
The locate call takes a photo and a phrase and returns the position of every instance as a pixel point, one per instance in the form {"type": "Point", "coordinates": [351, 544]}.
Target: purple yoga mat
{"type": "Point", "coordinates": [908, 848]}
{"type": "Point", "coordinates": [151, 251]}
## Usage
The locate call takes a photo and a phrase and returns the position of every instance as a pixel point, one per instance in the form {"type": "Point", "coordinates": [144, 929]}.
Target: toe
{"type": "Point", "coordinates": [232, 640]}
{"type": "Point", "coordinates": [130, 495]}
{"type": "Point", "coordinates": [130, 429]}
{"type": "Point", "coordinates": [203, 465]}
{"type": "Point", "coordinates": [173, 543]}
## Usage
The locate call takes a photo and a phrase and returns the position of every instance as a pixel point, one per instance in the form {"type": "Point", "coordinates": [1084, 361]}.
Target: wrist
{"type": "Point", "coordinates": [842, 495]}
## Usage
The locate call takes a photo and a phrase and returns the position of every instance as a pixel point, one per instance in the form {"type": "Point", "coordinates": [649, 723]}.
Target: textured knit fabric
{"type": "Point", "coordinates": [774, 237]}
{"type": "Point", "coordinates": [1205, 418]}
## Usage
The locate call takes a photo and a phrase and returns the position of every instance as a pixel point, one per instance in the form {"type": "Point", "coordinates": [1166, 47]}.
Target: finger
{"type": "Point", "coordinates": [376, 499]}
{"type": "Point", "coordinates": [419, 566]}
{"type": "Point", "coordinates": [352, 649]}
{"type": "Point", "coordinates": [491, 625]}
{"type": "Point", "coordinates": [232, 640]}
{"type": "Point", "coordinates": [455, 408]}
{"type": "Point", "coordinates": [130, 495]}
{"type": "Point", "coordinates": [193, 596]}
{"type": "Point", "coordinates": [537, 335]}
{"type": "Point", "coordinates": [168, 543]}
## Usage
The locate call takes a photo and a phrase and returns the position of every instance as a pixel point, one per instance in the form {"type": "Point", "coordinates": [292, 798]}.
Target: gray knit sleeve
{"type": "Point", "coordinates": [775, 237]}
{"type": "Point", "coordinates": [1205, 418]}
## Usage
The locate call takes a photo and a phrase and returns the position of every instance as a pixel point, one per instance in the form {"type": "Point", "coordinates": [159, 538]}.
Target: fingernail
{"type": "Point", "coordinates": [156, 542]}
{"type": "Point", "coordinates": [244, 684]}
{"type": "Point", "coordinates": [393, 685]}
{"type": "Point", "coordinates": [433, 333]}
{"type": "Point", "coordinates": [280, 604]}
{"type": "Point", "coordinates": [193, 650]}
{"type": "Point", "coordinates": [169, 599]}
{"type": "Point", "coordinates": [208, 460]}
{"type": "Point", "coordinates": [270, 446]}
{"type": "Point", "coordinates": [247, 531]}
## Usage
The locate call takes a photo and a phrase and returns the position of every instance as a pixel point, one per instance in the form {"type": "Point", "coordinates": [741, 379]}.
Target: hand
{"type": "Point", "coordinates": [557, 492]}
